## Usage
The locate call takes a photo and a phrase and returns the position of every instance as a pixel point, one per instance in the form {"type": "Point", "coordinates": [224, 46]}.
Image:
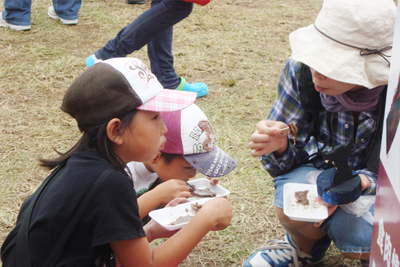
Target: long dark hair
{"type": "Point", "coordinates": [94, 138]}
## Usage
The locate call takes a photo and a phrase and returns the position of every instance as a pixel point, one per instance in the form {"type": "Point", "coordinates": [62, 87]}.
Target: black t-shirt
{"type": "Point", "coordinates": [112, 215]}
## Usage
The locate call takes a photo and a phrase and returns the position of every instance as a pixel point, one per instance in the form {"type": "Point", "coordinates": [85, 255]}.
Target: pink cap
{"type": "Point", "coordinates": [190, 134]}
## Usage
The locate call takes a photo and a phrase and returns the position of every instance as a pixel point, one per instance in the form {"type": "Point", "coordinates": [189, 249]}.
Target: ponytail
{"type": "Point", "coordinates": [96, 139]}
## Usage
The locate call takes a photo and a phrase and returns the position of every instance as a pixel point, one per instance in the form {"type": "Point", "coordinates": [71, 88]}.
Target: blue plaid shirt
{"type": "Point", "coordinates": [287, 108]}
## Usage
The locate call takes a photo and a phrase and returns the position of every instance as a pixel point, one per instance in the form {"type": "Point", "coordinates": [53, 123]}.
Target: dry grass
{"type": "Point", "coordinates": [237, 47]}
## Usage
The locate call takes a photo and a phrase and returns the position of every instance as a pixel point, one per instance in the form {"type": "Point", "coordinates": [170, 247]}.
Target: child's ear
{"type": "Point", "coordinates": [113, 133]}
{"type": "Point", "coordinates": [156, 159]}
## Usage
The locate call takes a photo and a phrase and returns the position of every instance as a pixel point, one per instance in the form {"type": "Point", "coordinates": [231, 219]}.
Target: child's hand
{"type": "Point", "coordinates": [213, 180]}
{"type": "Point", "coordinates": [217, 211]}
{"type": "Point", "coordinates": [170, 190]}
{"type": "Point", "coordinates": [269, 138]}
{"type": "Point", "coordinates": [154, 230]}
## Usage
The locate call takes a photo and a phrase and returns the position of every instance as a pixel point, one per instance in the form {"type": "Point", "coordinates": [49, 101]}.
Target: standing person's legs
{"type": "Point", "coordinates": [153, 27]}
{"type": "Point", "coordinates": [161, 58]}
{"type": "Point", "coordinates": [160, 48]}
{"type": "Point", "coordinates": [162, 15]}
{"type": "Point", "coordinates": [16, 14]}
{"type": "Point", "coordinates": [159, 51]}
{"type": "Point", "coordinates": [67, 9]}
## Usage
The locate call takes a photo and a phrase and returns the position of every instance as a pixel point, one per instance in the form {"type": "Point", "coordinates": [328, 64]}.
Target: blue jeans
{"type": "Point", "coordinates": [18, 12]}
{"type": "Point", "coordinates": [351, 234]}
{"type": "Point", "coordinates": [154, 27]}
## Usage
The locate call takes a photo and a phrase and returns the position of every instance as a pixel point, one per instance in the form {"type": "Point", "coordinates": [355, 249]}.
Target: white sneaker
{"type": "Point", "coordinates": [5, 24]}
{"type": "Point", "coordinates": [281, 253]}
{"type": "Point", "coordinates": [52, 14]}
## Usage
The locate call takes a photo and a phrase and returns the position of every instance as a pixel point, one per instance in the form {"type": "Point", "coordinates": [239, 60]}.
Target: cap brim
{"type": "Point", "coordinates": [169, 100]}
{"type": "Point", "coordinates": [215, 163]}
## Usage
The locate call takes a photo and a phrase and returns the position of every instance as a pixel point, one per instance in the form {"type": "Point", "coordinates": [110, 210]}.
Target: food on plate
{"type": "Point", "coordinates": [301, 197]}
{"type": "Point", "coordinates": [301, 203]}
{"type": "Point", "coordinates": [185, 218]}
{"type": "Point", "coordinates": [182, 219]}
{"type": "Point", "coordinates": [196, 206]}
{"type": "Point", "coordinates": [304, 204]}
{"type": "Point", "coordinates": [201, 192]}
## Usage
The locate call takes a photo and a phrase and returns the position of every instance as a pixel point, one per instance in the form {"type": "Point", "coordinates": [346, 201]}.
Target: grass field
{"type": "Point", "coordinates": [237, 47]}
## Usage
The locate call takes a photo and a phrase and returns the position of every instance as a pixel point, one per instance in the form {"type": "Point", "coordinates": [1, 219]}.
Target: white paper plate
{"type": "Point", "coordinates": [311, 213]}
{"type": "Point", "coordinates": [167, 215]}
{"type": "Point", "coordinates": [205, 183]}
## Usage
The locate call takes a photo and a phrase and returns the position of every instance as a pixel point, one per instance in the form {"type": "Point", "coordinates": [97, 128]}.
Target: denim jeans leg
{"type": "Point", "coordinates": [162, 15]}
{"type": "Point", "coordinates": [17, 12]}
{"type": "Point", "coordinates": [159, 51]}
{"type": "Point", "coordinates": [67, 9]}
{"type": "Point", "coordinates": [160, 54]}
{"type": "Point", "coordinates": [351, 234]}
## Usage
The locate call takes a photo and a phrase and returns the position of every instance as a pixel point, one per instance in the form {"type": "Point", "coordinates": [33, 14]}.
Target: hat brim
{"type": "Point", "coordinates": [214, 163]}
{"type": "Point", "coordinates": [337, 61]}
{"type": "Point", "coordinates": [169, 100]}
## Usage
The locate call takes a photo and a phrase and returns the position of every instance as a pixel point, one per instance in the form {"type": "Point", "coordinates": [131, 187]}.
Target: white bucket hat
{"type": "Point", "coordinates": [350, 41]}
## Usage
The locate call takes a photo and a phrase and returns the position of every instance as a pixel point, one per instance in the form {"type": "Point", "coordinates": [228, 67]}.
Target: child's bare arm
{"type": "Point", "coordinates": [215, 214]}
{"type": "Point", "coordinates": [161, 195]}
